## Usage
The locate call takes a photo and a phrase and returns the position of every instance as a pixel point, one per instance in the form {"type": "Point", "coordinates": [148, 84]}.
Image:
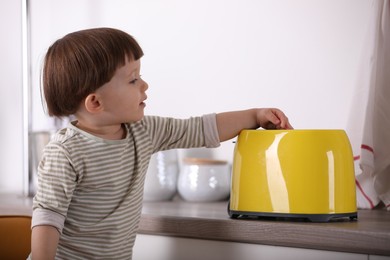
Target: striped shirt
{"type": "Point", "coordinates": [91, 189]}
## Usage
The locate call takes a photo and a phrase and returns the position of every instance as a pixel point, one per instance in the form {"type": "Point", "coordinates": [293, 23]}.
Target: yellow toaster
{"type": "Point", "coordinates": [306, 174]}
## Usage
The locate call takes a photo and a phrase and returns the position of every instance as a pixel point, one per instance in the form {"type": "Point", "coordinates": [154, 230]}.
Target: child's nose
{"type": "Point", "coordinates": [145, 85]}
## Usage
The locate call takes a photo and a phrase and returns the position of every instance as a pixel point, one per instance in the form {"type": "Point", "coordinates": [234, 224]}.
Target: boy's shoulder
{"type": "Point", "coordinates": [63, 135]}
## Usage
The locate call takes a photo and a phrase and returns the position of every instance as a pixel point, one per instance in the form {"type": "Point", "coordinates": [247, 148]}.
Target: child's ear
{"type": "Point", "coordinates": [92, 103]}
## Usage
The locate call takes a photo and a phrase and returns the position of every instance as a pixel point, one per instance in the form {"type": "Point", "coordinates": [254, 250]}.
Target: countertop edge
{"type": "Point", "coordinates": [247, 231]}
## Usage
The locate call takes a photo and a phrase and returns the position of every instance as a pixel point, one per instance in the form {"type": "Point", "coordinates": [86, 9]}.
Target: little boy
{"type": "Point", "coordinates": [90, 179]}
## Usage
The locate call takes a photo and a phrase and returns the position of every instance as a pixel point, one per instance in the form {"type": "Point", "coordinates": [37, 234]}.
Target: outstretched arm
{"type": "Point", "coordinates": [230, 124]}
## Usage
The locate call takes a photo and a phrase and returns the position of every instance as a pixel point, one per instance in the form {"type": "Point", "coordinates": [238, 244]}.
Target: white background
{"type": "Point", "coordinates": [201, 56]}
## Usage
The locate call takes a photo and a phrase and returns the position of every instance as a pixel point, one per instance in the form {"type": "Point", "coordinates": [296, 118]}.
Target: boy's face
{"type": "Point", "coordinates": [124, 95]}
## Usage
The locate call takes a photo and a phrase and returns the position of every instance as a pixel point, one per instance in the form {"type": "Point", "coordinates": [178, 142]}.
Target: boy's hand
{"type": "Point", "coordinates": [272, 118]}
{"type": "Point", "coordinates": [230, 124]}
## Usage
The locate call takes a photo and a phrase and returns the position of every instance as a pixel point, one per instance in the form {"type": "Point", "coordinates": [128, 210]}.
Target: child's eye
{"type": "Point", "coordinates": [135, 80]}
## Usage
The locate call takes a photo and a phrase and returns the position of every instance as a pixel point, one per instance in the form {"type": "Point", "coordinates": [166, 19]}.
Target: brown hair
{"type": "Point", "coordinates": [81, 62]}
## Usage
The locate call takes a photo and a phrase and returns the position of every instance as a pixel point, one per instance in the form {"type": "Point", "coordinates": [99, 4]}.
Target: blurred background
{"type": "Point", "coordinates": [200, 57]}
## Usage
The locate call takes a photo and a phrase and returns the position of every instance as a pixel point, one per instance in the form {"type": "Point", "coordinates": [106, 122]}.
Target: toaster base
{"type": "Point", "coordinates": [302, 217]}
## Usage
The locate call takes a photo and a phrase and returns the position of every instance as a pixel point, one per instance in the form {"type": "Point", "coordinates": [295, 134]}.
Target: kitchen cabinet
{"type": "Point", "coordinates": [154, 247]}
{"type": "Point", "coordinates": [378, 257]}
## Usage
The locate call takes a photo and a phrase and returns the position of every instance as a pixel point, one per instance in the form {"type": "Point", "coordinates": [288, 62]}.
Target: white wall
{"type": "Point", "coordinates": [210, 56]}
{"type": "Point", "coordinates": [11, 130]}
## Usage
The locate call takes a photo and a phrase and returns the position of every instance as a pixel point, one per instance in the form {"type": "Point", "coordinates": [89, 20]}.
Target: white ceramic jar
{"type": "Point", "coordinates": [161, 177]}
{"type": "Point", "coordinates": [204, 180]}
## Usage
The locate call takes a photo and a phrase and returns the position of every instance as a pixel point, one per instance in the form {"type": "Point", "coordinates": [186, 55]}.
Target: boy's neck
{"type": "Point", "coordinates": [111, 132]}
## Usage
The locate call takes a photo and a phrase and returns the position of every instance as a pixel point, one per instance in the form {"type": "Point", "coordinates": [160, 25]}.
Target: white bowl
{"type": "Point", "coordinates": [204, 180]}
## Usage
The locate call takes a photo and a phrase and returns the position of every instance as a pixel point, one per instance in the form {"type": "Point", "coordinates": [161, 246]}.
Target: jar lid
{"type": "Point", "coordinates": [203, 161]}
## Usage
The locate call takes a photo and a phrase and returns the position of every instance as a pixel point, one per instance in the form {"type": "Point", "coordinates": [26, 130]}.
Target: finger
{"type": "Point", "coordinates": [284, 122]}
{"type": "Point", "coordinates": [275, 116]}
{"type": "Point", "coordinates": [288, 125]}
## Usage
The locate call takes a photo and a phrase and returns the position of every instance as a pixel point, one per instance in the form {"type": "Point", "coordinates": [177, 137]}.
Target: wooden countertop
{"type": "Point", "coordinates": [369, 235]}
